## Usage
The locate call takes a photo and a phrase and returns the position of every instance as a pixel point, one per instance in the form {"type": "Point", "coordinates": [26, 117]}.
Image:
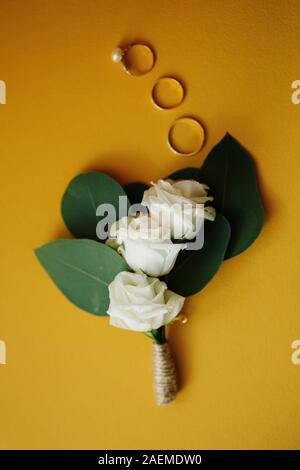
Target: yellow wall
{"type": "Point", "coordinates": [71, 380]}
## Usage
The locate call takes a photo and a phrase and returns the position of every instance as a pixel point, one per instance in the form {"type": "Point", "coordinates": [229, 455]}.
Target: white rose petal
{"type": "Point", "coordinates": [153, 258]}
{"type": "Point", "coordinates": [141, 303]}
{"type": "Point", "coordinates": [140, 227]}
{"type": "Point", "coordinates": [179, 206]}
{"type": "Point", "coordinates": [145, 245]}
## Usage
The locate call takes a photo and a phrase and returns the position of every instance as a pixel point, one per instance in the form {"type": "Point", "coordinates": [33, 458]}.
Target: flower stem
{"type": "Point", "coordinates": [158, 336]}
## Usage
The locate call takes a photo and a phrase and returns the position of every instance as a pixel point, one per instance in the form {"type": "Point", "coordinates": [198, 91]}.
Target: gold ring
{"type": "Point", "coordinates": [137, 59]}
{"type": "Point", "coordinates": [186, 136]}
{"type": "Point", "coordinates": [167, 93]}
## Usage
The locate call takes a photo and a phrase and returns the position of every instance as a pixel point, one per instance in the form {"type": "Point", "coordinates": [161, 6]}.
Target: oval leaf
{"type": "Point", "coordinates": [82, 197]}
{"type": "Point", "coordinates": [135, 191]}
{"type": "Point", "coordinates": [188, 173]}
{"type": "Point", "coordinates": [194, 269]}
{"type": "Point", "coordinates": [229, 172]}
{"type": "Point", "coordinates": [82, 270]}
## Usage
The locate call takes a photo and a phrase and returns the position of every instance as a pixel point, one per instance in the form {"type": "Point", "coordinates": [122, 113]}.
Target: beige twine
{"type": "Point", "coordinates": [164, 374]}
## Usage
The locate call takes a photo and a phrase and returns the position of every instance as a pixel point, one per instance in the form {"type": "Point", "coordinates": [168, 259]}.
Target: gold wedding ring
{"type": "Point", "coordinates": [186, 136]}
{"type": "Point", "coordinates": [167, 93]}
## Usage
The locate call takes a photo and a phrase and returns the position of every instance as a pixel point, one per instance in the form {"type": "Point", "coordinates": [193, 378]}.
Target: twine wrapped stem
{"type": "Point", "coordinates": [164, 371]}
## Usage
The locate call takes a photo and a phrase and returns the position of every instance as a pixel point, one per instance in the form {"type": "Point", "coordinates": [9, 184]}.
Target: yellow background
{"type": "Point", "coordinates": [71, 380]}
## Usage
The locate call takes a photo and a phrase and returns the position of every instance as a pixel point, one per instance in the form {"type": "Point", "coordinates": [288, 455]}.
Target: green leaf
{"type": "Point", "coordinates": [188, 173]}
{"type": "Point", "coordinates": [135, 191]}
{"type": "Point", "coordinates": [229, 172]}
{"type": "Point", "coordinates": [194, 269]}
{"type": "Point", "coordinates": [82, 197]}
{"type": "Point", "coordinates": [82, 270]}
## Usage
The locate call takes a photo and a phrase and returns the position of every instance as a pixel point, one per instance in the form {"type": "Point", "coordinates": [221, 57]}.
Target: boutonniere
{"type": "Point", "coordinates": [139, 251]}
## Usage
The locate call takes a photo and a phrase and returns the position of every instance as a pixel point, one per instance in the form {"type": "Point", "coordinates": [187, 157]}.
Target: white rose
{"type": "Point", "coordinates": [153, 258]}
{"type": "Point", "coordinates": [140, 227]}
{"type": "Point", "coordinates": [141, 303]}
{"type": "Point", "coordinates": [143, 245]}
{"type": "Point", "coordinates": [179, 205]}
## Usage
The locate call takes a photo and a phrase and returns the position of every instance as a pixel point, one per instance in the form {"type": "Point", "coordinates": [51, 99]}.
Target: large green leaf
{"type": "Point", "coordinates": [194, 269]}
{"type": "Point", "coordinates": [82, 197]}
{"type": "Point", "coordinates": [188, 173]}
{"type": "Point", "coordinates": [135, 191]}
{"type": "Point", "coordinates": [82, 270]}
{"type": "Point", "coordinates": [229, 172]}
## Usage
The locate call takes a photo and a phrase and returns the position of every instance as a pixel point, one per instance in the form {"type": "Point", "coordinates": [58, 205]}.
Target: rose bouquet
{"type": "Point", "coordinates": [141, 250]}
